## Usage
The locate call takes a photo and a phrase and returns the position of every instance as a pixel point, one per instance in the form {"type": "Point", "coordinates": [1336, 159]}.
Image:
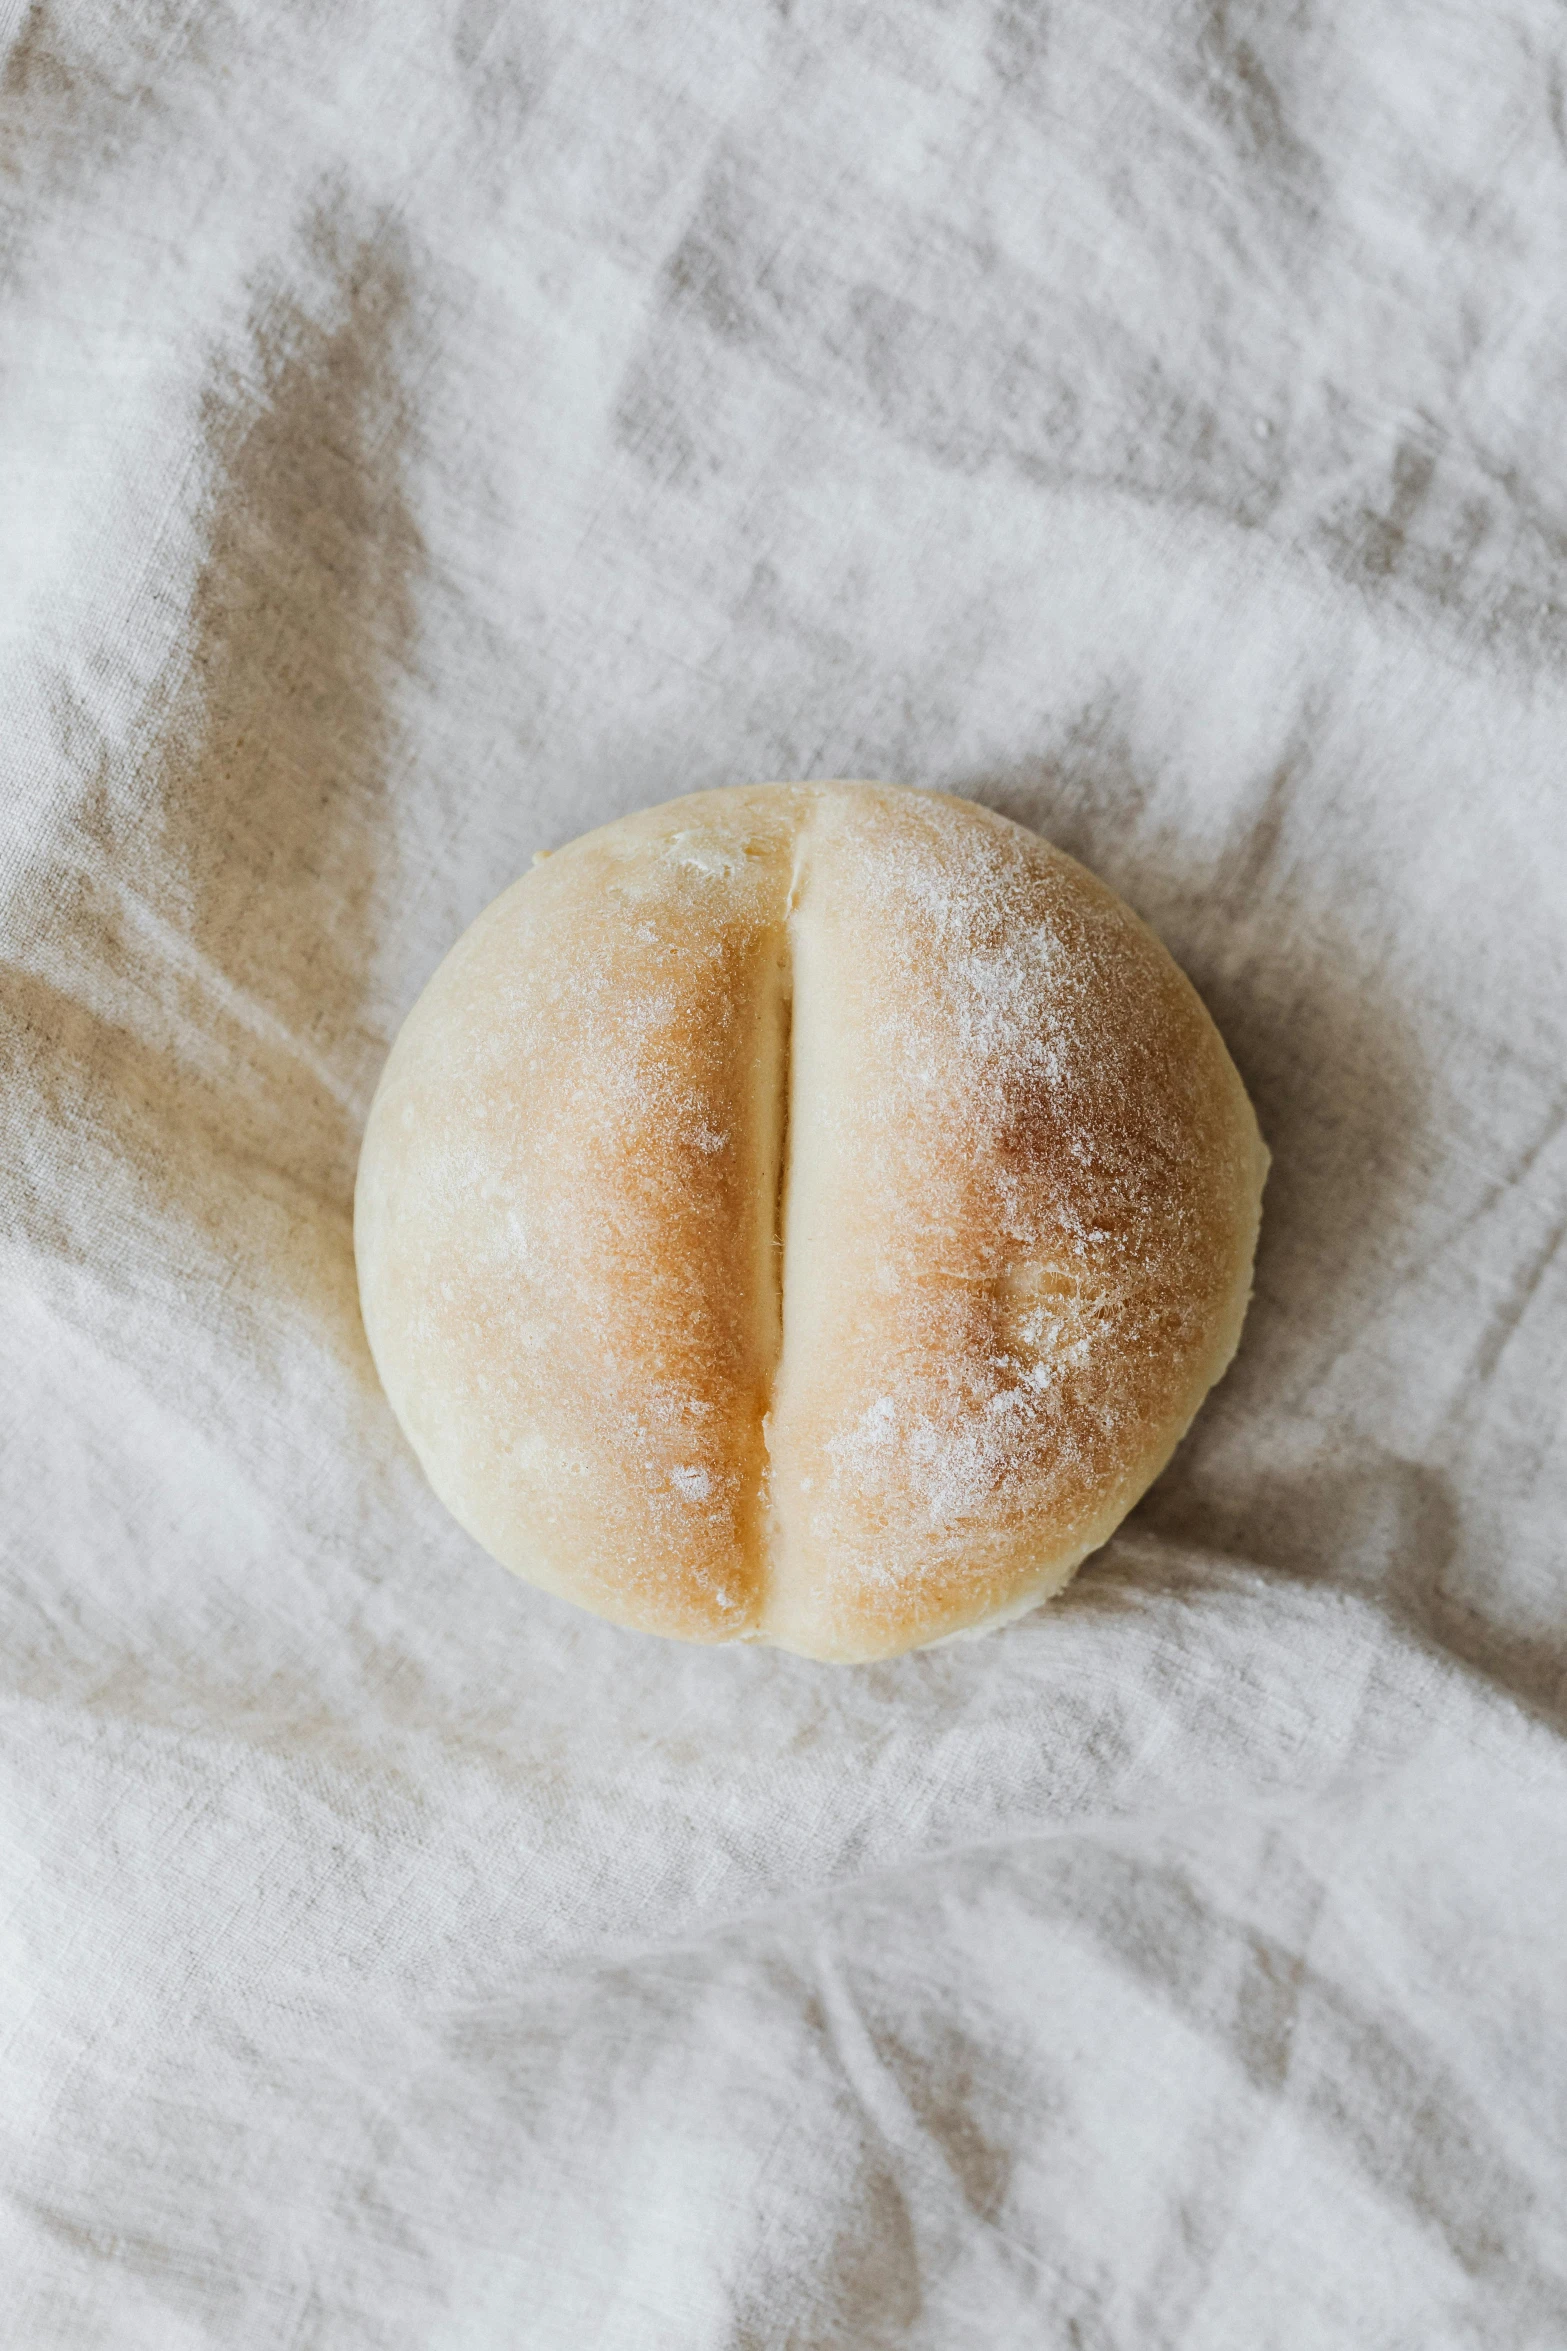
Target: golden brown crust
{"type": "Point", "coordinates": [566, 1282]}
{"type": "Point", "coordinates": [1016, 1188]}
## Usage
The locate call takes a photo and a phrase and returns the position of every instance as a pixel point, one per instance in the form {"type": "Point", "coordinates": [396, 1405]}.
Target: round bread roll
{"type": "Point", "coordinates": [804, 1213]}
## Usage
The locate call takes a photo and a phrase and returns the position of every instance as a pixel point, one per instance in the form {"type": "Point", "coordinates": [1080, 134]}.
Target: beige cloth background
{"type": "Point", "coordinates": [428, 432]}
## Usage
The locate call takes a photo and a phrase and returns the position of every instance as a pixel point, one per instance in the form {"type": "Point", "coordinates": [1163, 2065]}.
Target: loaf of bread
{"type": "Point", "coordinates": [804, 1213]}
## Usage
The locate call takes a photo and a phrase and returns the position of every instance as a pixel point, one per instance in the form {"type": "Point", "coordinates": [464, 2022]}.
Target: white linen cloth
{"type": "Point", "coordinates": [430, 431]}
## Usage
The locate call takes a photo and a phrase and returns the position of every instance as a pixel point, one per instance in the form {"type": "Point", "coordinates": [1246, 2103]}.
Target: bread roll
{"type": "Point", "coordinates": [804, 1213]}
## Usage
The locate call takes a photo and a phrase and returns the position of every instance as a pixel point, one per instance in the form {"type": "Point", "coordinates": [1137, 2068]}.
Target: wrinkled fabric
{"type": "Point", "coordinates": [427, 433]}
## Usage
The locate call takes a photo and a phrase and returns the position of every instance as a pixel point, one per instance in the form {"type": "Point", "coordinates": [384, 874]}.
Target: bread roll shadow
{"type": "Point", "coordinates": [1332, 1066]}
{"type": "Point", "coordinates": [198, 1006]}
{"type": "Point", "coordinates": [1280, 1470]}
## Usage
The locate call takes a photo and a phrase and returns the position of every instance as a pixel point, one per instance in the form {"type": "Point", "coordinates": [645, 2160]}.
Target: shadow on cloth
{"type": "Point", "coordinates": [1331, 1064]}
{"type": "Point", "coordinates": [198, 1009]}
{"type": "Point", "coordinates": [1339, 1083]}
